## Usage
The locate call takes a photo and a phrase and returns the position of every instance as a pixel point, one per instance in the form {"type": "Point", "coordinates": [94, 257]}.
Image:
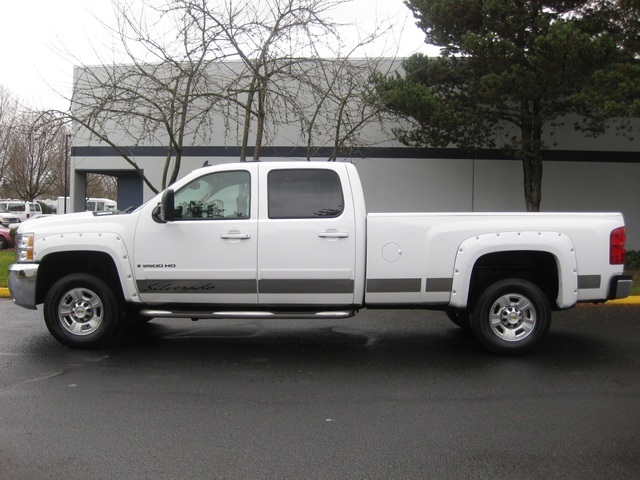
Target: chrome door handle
{"type": "Point", "coordinates": [333, 234]}
{"type": "Point", "coordinates": [235, 236]}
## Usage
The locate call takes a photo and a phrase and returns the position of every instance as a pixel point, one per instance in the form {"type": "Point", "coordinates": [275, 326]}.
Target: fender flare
{"type": "Point", "coordinates": [109, 243]}
{"type": "Point", "coordinates": [557, 244]}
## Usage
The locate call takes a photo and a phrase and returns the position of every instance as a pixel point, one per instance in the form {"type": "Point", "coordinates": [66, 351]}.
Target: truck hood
{"type": "Point", "coordinates": [74, 222]}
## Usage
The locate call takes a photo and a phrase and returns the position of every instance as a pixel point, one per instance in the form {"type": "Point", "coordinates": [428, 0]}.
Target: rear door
{"type": "Point", "coordinates": [307, 248]}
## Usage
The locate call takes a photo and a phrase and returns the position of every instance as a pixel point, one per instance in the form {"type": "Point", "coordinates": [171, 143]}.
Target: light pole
{"type": "Point", "coordinates": [66, 175]}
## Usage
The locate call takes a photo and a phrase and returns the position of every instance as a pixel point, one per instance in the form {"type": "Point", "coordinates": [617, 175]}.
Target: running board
{"type": "Point", "coordinates": [249, 315]}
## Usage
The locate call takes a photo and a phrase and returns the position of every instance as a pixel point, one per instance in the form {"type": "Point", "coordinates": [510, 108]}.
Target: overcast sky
{"type": "Point", "coordinates": [40, 38]}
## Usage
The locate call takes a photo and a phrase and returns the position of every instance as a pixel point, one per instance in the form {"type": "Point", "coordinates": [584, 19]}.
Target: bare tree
{"type": "Point", "coordinates": [274, 41]}
{"type": "Point", "coordinates": [162, 93]}
{"type": "Point", "coordinates": [8, 123]}
{"type": "Point", "coordinates": [101, 186]}
{"type": "Point", "coordinates": [37, 148]}
{"type": "Point", "coordinates": [195, 66]}
{"type": "Point", "coordinates": [341, 104]}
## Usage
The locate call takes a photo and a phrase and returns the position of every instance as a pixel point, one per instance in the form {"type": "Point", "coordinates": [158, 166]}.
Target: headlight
{"type": "Point", "coordinates": [24, 247]}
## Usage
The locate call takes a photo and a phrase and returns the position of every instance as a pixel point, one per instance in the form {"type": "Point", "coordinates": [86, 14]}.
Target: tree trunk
{"type": "Point", "coordinates": [532, 167]}
{"type": "Point", "coordinates": [262, 117]}
{"type": "Point", "coordinates": [530, 153]}
{"type": "Point", "coordinates": [247, 121]}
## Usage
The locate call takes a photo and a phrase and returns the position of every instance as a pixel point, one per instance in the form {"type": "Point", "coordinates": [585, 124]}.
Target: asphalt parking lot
{"type": "Point", "coordinates": [387, 394]}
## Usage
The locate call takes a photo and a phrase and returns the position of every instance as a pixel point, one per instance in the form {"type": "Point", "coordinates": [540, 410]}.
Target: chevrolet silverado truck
{"type": "Point", "coordinates": [293, 239]}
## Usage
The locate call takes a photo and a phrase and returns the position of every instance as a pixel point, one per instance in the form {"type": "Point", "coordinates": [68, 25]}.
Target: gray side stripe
{"type": "Point", "coordinates": [246, 286]}
{"type": "Point", "coordinates": [395, 285]}
{"type": "Point", "coordinates": [197, 286]}
{"type": "Point", "coordinates": [439, 284]}
{"type": "Point", "coordinates": [306, 286]}
{"type": "Point", "coordinates": [588, 281]}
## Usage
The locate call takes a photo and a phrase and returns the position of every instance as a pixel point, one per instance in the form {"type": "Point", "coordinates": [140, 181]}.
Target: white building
{"type": "Point", "coordinates": [580, 173]}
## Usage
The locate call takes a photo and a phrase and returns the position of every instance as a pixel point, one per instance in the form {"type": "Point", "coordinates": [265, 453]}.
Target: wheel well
{"type": "Point", "coordinates": [57, 265]}
{"type": "Point", "coordinates": [539, 268]}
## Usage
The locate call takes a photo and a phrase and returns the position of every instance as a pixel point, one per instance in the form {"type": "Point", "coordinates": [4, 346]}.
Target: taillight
{"type": "Point", "coordinates": [616, 246]}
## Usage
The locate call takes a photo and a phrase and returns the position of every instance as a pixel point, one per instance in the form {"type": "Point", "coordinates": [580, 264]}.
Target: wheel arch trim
{"type": "Point", "coordinates": [110, 244]}
{"type": "Point", "coordinates": [557, 244]}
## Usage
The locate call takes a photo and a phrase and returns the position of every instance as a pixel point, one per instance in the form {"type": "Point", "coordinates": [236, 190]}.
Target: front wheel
{"type": "Point", "coordinates": [81, 311]}
{"type": "Point", "coordinates": [511, 317]}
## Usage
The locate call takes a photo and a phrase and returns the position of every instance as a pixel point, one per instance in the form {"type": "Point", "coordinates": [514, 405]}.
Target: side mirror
{"type": "Point", "coordinates": [164, 211]}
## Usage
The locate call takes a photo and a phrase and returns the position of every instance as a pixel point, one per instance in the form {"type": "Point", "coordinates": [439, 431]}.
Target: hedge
{"type": "Point", "coordinates": [632, 260]}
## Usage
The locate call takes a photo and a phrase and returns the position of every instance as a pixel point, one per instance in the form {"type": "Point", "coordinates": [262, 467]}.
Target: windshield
{"type": "Point", "coordinates": [16, 206]}
{"type": "Point", "coordinates": [2, 209]}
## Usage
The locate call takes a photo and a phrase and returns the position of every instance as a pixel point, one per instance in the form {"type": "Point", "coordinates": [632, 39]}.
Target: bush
{"type": "Point", "coordinates": [46, 208]}
{"type": "Point", "coordinates": [632, 260]}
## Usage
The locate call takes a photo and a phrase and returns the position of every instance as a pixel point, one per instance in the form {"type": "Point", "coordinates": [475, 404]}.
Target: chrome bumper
{"type": "Point", "coordinates": [22, 284]}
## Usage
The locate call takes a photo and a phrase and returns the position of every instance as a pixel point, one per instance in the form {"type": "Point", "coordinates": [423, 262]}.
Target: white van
{"type": "Point", "coordinates": [101, 205]}
{"type": "Point", "coordinates": [7, 218]}
{"type": "Point", "coordinates": [92, 205]}
{"type": "Point", "coordinates": [22, 210]}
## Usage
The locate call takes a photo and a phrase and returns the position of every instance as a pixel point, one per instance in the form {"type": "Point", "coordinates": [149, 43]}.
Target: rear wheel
{"type": "Point", "coordinates": [511, 317]}
{"type": "Point", "coordinates": [82, 311]}
{"type": "Point", "coordinates": [3, 243]}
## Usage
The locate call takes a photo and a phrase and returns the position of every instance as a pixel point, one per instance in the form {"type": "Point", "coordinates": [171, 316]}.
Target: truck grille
{"type": "Point", "coordinates": [8, 220]}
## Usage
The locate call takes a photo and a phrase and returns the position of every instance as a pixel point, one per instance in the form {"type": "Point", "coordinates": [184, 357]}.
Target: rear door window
{"type": "Point", "coordinates": [306, 193]}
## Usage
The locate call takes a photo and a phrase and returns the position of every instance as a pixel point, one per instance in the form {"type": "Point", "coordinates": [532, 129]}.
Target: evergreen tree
{"type": "Point", "coordinates": [508, 69]}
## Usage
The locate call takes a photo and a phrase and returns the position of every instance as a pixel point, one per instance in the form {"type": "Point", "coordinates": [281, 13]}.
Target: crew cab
{"type": "Point", "coordinates": [293, 239]}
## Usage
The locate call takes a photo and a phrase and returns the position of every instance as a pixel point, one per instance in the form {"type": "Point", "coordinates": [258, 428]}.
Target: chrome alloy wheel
{"type": "Point", "coordinates": [512, 317]}
{"type": "Point", "coordinates": [80, 311]}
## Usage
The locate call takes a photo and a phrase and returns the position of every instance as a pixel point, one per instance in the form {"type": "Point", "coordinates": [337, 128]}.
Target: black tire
{"type": "Point", "coordinates": [82, 311]}
{"type": "Point", "coordinates": [461, 318]}
{"type": "Point", "coordinates": [511, 317]}
{"type": "Point", "coordinates": [3, 243]}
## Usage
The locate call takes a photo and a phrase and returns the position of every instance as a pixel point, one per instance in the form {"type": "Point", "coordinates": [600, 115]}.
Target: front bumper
{"type": "Point", "coordinates": [22, 284]}
{"type": "Point", "coordinates": [620, 286]}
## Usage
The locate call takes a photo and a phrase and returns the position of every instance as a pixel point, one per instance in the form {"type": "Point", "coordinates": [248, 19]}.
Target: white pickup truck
{"type": "Point", "coordinates": [293, 239]}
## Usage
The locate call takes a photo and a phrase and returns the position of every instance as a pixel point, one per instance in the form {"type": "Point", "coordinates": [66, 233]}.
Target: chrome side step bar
{"type": "Point", "coordinates": [248, 315]}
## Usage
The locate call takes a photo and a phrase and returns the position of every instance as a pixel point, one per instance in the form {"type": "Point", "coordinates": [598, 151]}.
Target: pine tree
{"type": "Point", "coordinates": [508, 69]}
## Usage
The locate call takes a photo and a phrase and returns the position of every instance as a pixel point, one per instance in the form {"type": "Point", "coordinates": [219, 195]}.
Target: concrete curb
{"type": "Point", "coordinates": [633, 300]}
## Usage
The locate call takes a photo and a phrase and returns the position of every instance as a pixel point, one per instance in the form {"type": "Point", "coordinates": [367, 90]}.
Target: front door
{"type": "Point", "coordinates": [208, 255]}
{"type": "Point", "coordinates": [306, 254]}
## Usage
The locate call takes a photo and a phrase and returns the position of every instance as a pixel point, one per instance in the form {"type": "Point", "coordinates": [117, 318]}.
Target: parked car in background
{"type": "Point", "coordinates": [23, 210]}
{"type": "Point", "coordinates": [6, 217]}
{"type": "Point", "coordinates": [92, 205]}
{"type": "Point", "coordinates": [5, 238]}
